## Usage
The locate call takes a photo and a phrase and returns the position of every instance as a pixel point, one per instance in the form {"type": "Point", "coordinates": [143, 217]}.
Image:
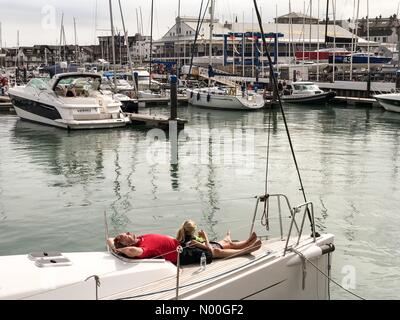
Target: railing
{"type": "Point", "coordinates": [307, 209]}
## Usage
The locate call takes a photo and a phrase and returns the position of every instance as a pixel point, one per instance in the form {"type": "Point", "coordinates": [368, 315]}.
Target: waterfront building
{"type": "Point", "coordinates": [177, 44]}
{"type": "Point", "coordinates": [139, 46]}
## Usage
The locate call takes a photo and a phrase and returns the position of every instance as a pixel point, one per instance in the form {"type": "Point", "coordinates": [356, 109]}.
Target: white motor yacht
{"type": "Point", "coordinates": [68, 100]}
{"type": "Point", "coordinates": [305, 92]}
{"type": "Point", "coordinates": [389, 101]}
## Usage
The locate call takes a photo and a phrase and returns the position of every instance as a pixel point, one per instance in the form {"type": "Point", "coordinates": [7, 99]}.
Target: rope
{"type": "Point", "coordinates": [324, 274]}
{"type": "Point", "coordinates": [199, 24]}
{"type": "Point", "coordinates": [191, 203]}
{"type": "Point", "coordinates": [282, 111]}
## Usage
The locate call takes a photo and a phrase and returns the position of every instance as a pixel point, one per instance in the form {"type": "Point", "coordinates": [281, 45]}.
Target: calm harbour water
{"type": "Point", "coordinates": [56, 185]}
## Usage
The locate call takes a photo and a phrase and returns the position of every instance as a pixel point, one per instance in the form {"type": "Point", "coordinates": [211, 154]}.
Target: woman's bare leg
{"type": "Point", "coordinates": [230, 253]}
{"type": "Point", "coordinates": [227, 243]}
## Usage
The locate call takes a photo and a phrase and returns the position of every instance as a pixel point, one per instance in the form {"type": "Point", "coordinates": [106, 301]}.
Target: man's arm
{"type": "Point", "coordinates": [131, 252]}
{"type": "Point", "coordinates": [110, 243]}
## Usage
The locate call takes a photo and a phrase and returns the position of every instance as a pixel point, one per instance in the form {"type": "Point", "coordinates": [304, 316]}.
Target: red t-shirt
{"type": "Point", "coordinates": [155, 245]}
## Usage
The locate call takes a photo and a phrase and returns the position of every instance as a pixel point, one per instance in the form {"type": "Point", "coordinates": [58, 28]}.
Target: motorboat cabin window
{"type": "Point", "coordinates": [37, 84]}
{"type": "Point", "coordinates": [76, 87]}
{"type": "Point", "coordinates": [306, 87]}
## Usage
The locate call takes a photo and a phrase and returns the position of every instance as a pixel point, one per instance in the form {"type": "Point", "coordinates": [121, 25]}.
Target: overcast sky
{"type": "Point", "coordinates": [38, 21]}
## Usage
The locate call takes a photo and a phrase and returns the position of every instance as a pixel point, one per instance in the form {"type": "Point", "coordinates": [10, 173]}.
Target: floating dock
{"type": "Point", "coordinates": [156, 121]}
{"type": "Point", "coordinates": [5, 104]}
{"type": "Point", "coordinates": [161, 100]}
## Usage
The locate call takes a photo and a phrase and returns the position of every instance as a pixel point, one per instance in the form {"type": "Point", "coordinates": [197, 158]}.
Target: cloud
{"type": "Point", "coordinates": [27, 16]}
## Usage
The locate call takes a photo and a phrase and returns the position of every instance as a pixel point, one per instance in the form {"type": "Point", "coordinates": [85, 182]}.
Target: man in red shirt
{"type": "Point", "coordinates": [145, 246]}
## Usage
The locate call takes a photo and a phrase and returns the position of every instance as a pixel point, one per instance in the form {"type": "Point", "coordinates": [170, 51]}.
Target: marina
{"type": "Point", "coordinates": [270, 140]}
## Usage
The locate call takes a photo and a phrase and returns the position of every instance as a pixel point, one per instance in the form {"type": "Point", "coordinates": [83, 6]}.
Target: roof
{"type": "Point", "coordinates": [294, 15]}
{"type": "Point", "coordinates": [295, 31]}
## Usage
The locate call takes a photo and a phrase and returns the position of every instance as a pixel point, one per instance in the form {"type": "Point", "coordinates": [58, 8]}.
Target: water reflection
{"type": "Point", "coordinates": [77, 155]}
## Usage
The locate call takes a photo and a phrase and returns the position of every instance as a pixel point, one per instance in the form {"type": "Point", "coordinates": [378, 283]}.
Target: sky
{"type": "Point", "coordinates": [38, 21]}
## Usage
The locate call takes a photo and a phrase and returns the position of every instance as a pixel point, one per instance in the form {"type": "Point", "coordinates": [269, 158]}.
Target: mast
{"type": "Point", "coordinates": [291, 33]}
{"type": "Point", "coordinates": [276, 39]}
{"type": "Point", "coordinates": [353, 41]}
{"type": "Point", "coordinates": [178, 33]}
{"type": "Point", "coordinates": [151, 39]}
{"type": "Point", "coordinates": [113, 45]}
{"type": "Point", "coordinates": [334, 39]}
{"type": "Point", "coordinates": [76, 43]}
{"type": "Point", "coordinates": [16, 56]}
{"type": "Point", "coordinates": [61, 35]}
{"type": "Point", "coordinates": [369, 67]}
{"type": "Point", "coordinates": [318, 44]}
{"type": "Point", "coordinates": [304, 29]}
{"type": "Point", "coordinates": [211, 37]}
{"type": "Point", "coordinates": [252, 42]}
{"type": "Point", "coordinates": [243, 44]}
{"type": "Point", "coordinates": [1, 38]}
{"type": "Point", "coordinates": [326, 22]}
{"type": "Point", "coordinates": [141, 21]}
{"type": "Point", "coordinates": [138, 31]}
{"type": "Point", "coordinates": [310, 30]}
{"type": "Point", "coordinates": [128, 51]}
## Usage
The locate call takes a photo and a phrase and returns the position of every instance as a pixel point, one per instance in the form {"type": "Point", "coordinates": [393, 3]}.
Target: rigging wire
{"type": "Point", "coordinates": [199, 25]}
{"type": "Point", "coordinates": [275, 84]}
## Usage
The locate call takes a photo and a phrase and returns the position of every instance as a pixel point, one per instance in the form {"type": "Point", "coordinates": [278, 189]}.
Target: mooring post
{"type": "Point", "coordinates": [136, 82]}
{"type": "Point", "coordinates": [369, 85]}
{"type": "Point", "coordinates": [174, 97]}
{"type": "Point", "coordinates": [397, 79]}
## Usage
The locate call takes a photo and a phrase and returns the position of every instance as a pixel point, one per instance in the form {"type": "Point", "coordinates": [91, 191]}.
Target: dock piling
{"type": "Point", "coordinates": [174, 97]}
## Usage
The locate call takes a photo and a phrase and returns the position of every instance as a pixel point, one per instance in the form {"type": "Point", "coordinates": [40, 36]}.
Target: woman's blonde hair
{"type": "Point", "coordinates": [187, 228]}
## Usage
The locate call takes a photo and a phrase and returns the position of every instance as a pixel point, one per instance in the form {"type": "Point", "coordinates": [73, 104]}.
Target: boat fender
{"type": "Point", "coordinates": [309, 253]}
{"type": "Point", "coordinates": [191, 94]}
{"type": "Point", "coordinates": [208, 97]}
{"type": "Point", "coordinates": [327, 248]}
{"type": "Point", "coordinates": [198, 95]}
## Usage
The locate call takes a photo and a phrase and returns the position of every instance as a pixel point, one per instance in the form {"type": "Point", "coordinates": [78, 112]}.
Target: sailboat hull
{"type": "Point", "coordinates": [390, 102]}
{"type": "Point", "coordinates": [309, 98]}
{"type": "Point", "coordinates": [213, 100]}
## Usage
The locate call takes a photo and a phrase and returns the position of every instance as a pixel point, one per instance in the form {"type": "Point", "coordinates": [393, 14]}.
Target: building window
{"type": "Point", "coordinates": [384, 39]}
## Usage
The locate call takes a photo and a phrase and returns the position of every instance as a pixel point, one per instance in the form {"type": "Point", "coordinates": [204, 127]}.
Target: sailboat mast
{"type": "Point", "coordinates": [252, 42]}
{"type": "Point", "coordinates": [318, 37]}
{"type": "Point", "coordinates": [1, 38]}
{"type": "Point", "coordinates": [151, 40]}
{"type": "Point", "coordinates": [76, 43]}
{"type": "Point", "coordinates": [276, 39]}
{"type": "Point", "coordinates": [178, 33]}
{"type": "Point", "coordinates": [353, 39]}
{"type": "Point", "coordinates": [113, 44]}
{"type": "Point", "coordinates": [326, 22]}
{"type": "Point", "coordinates": [369, 67]}
{"type": "Point", "coordinates": [243, 44]}
{"type": "Point", "coordinates": [128, 51]}
{"type": "Point", "coordinates": [310, 46]}
{"type": "Point", "coordinates": [211, 37]}
{"type": "Point", "coordinates": [304, 30]}
{"type": "Point", "coordinates": [61, 35]}
{"type": "Point", "coordinates": [334, 39]}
